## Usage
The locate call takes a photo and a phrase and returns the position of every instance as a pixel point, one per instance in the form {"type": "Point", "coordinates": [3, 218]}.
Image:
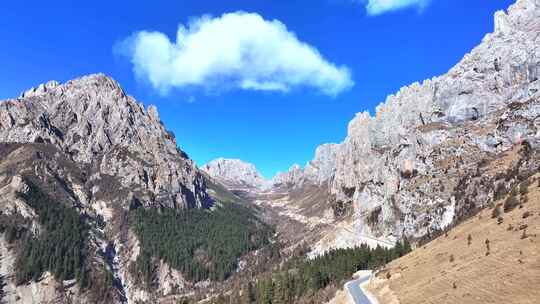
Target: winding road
{"type": "Point", "coordinates": [357, 293]}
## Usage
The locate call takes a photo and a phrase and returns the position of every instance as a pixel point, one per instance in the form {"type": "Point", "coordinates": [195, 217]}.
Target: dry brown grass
{"type": "Point", "coordinates": [340, 298]}
{"type": "Point", "coordinates": [510, 273]}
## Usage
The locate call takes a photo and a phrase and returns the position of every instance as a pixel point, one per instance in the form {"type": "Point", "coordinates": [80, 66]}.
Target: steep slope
{"type": "Point", "coordinates": [83, 147]}
{"type": "Point", "coordinates": [414, 167]}
{"type": "Point", "coordinates": [97, 124]}
{"type": "Point", "coordinates": [236, 174]}
{"type": "Point", "coordinates": [418, 165]}
{"type": "Point", "coordinates": [92, 185]}
{"type": "Point", "coordinates": [316, 172]}
{"type": "Point", "coordinates": [46, 216]}
{"type": "Point", "coordinates": [493, 257]}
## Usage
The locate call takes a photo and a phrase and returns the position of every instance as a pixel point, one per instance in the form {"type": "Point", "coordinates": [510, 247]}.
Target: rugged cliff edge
{"type": "Point", "coordinates": [93, 121]}
{"type": "Point", "coordinates": [416, 166]}
{"type": "Point", "coordinates": [317, 172]}
{"type": "Point", "coordinates": [236, 174]}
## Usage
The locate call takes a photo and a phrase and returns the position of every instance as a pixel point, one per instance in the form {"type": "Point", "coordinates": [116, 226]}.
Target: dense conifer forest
{"type": "Point", "coordinates": [202, 244]}
{"type": "Point", "coordinates": [300, 279]}
{"type": "Point", "coordinates": [59, 247]}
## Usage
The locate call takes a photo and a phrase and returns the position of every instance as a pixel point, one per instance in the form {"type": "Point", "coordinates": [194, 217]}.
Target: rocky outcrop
{"type": "Point", "coordinates": [323, 166]}
{"type": "Point", "coordinates": [316, 172]}
{"type": "Point", "coordinates": [294, 177]}
{"type": "Point", "coordinates": [92, 120]}
{"type": "Point", "coordinates": [236, 174]}
{"type": "Point", "coordinates": [416, 166]}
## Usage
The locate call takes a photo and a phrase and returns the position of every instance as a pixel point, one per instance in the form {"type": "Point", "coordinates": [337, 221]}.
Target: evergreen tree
{"type": "Point", "coordinates": [201, 244]}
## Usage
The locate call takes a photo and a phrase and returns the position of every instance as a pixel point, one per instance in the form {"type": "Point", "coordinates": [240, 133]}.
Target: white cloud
{"type": "Point", "coordinates": [377, 7]}
{"type": "Point", "coordinates": [237, 50]}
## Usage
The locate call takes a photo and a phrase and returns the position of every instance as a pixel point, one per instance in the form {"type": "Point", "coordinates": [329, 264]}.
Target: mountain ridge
{"type": "Point", "coordinates": [94, 155]}
{"type": "Point", "coordinates": [236, 173]}
{"type": "Point", "coordinates": [92, 118]}
{"type": "Point", "coordinates": [388, 173]}
{"type": "Point", "coordinates": [93, 186]}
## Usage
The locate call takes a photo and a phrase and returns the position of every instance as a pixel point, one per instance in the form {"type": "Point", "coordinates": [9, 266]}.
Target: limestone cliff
{"type": "Point", "coordinates": [236, 174]}
{"type": "Point", "coordinates": [92, 120]}
{"type": "Point", "coordinates": [417, 166]}
{"type": "Point", "coordinates": [318, 171]}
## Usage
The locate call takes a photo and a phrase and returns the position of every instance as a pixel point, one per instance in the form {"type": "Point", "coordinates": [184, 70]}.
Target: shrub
{"type": "Point", "coordinates": [452, 259]}
{"type": "Point", "coordinates": [500, 190]}
{"type": "Point", "coordinates": [514, 191]}
{"type": "Point", "coordinates": [510, 203]}
{"type": "Point", "coordinates": [496, 211]}
{"type": "Point", "coordinates": [524, 199]}
{"type": "Point", "coordinates": [524, 187]}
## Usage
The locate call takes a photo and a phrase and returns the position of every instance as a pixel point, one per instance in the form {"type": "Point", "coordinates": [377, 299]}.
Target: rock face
{"type": "Point", "coordinates": [417, 165]}
{"type": "Point", "coordinates": [96, 123]}
{"type": "Point", "coordinates": [317, 172]}
{"type": "Point", "coordinates": [294, 177]}
{"type": "Point", "coordinates": [323, 165]}
{"type": "Point", "coordinates": [235, 173]}
{"type": "Point", "coordinates": [88, 145]}
{"type": "Point", "coordinates": [433, 152]}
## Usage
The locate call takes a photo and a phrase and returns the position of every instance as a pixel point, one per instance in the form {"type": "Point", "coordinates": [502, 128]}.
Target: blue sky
{"type": "Point", "coordinates": [353, 54]}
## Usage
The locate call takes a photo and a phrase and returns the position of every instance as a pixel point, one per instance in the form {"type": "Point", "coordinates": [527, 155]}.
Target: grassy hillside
{"type": "Point", "coordinates": [494, 257]}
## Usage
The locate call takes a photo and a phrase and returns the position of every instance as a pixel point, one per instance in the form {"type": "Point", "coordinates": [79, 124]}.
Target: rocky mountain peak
{"type": "Point", "coordinates": [316, 172]}
{"type": "Point", "coordinates": [236, 173]}
{"type": "Point", "coordinates": [323, 165]}
{"type": "Point", "coordinates": [95, 122]}
{"type": "Point", "coordinates": [293, 177]}
{"type": "Point", "coordinates": [85, 116]}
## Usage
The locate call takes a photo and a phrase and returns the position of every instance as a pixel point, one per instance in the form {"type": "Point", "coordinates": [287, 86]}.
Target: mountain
{"type": "Point", "coordinates": [96, 124]}
{"type": "Point", "coordinates": [317, 172]}
{"type": "Point", "coordinates": [99, 205]}
{"type": "Point", "coordinates": [489, 258]}
{"type": "Point", "coordinates": [420, 163]}
{"type": "Point", "coordinates": [236, 174]}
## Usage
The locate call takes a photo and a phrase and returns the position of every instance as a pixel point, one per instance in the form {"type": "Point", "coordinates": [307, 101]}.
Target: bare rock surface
{"type": "Point", "coordinates": [316, 172]}
{"type": "Point", "coordinates": [236, 174]}
{"type": "Point", "coordinates": [97, 124]}
{"type": "Point", "coordinates": [416, 166]}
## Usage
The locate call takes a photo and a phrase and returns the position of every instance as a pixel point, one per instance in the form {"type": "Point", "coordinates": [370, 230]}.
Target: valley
{"type": "Point", "coordinates": [436, 196]}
